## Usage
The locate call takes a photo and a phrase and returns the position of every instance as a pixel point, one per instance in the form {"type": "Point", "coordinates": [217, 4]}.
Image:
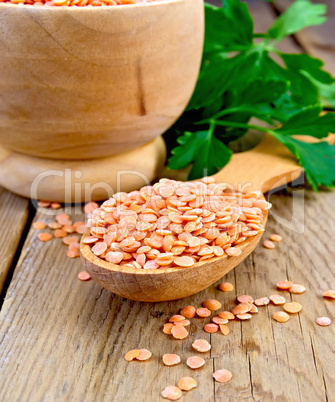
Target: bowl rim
{"type": "Point", "coordinates": [73, 8]}
{"type": "Point", "coordinates": [87, 254]}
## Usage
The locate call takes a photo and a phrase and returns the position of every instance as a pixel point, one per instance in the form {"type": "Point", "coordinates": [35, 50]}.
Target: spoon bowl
{"type": "Point", "coordinates": [267, 166]}
{"type": "Point", "coordinates": [164, 283]}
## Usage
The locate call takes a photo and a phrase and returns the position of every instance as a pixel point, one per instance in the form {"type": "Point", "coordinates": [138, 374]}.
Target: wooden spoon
{"type": "Point", "coordinates": [268, 165]}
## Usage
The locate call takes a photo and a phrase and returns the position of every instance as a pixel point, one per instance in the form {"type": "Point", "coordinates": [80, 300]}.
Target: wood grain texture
{"type": "Point", "coordinates": [110, 80]}
{"type": "Point", "coordinates": [81, 180]}
{"type": "Point", "coordinates": [13, 218]}
{"type": "Point", "coordinates": [65, 339]}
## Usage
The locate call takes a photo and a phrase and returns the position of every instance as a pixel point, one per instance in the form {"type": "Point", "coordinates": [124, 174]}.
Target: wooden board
{"type": "Point", "coordinates": [65, 339]}
{"type": "Point", "coordinates": [62, 339]}
{"type": "Point", "coordinates": [13, 218]}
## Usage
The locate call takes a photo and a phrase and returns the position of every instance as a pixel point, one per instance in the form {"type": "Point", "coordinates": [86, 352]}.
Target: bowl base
{"type": "Point", "coordinates": [74, 181]}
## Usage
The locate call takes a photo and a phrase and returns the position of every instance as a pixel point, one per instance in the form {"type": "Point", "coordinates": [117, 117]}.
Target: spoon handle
{"type": "Point", "coordinates": [269, 165]}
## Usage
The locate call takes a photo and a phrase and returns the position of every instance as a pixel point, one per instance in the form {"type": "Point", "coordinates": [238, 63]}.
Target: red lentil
{"type": "Point", "coordinates": [293, 307]}
{"type": "Point", "coordinates": [171, 392]}
{"type": "Point", "coordinates": [188, 312]}
{"type": "Point", "coordinates": [195, 362]}
{"type": "Point", "coordinates": [281, 316]}
{"type": "Point", "coordinates": [275, 237]}
{"type": "Point", "coordinates": [226, 315]}
{"type": "Point", "coordinates": [212, 304]}
{"type": "Point", "coordinates": [179, 223]}
{"type": "Point", "coordinates": [144, 354]}
{"type": "Point", "coordinates": [84, 276]}
{"type": "Point", "coordinates": [201, 345]}
{"type": "Point", "coordinates": [226, 287]}
{"type": "Point", "coordinates": [268, 244]}
{"type": "Point", "coordinates": [297, 289]}
{"type": "Point", "coordinates": [45, 236]}
{"type": "Point", "coordinates": [222, 375]}
{"type": "Point", "coordinates": [131, 355]}
{"type": "Point", "coordinates": [323, 321]}
{"type": "Point", "coordinates": [263, 301]}
{"type": "Point", "coordinates": [277, 299]}
{"type": "Point", "coordinates": [224, 329]}
{"type": "Point", "coordinates": [245, 299]}
{"type": "Point", "coordinates": [179, 332]}
{"type": "Point", "coordinates": [211, 328]}
{"type": "Point", "coordinates": [187, 383]}
{"type": "Point", "coordinates": [284, 285]}
{"type": "Point", "coordinates": [329, 294]}
{"type": "Point", "coordinates": [203, 312]}
{"type": "Point", "coordinates": [39, 225]}
{"type": "Point", "coordinates": [171, 359]}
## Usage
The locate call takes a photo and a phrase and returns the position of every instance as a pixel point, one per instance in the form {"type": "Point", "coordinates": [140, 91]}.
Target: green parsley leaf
{"type": "Point", "coordinates": [207, 153]}
{"type": "Point", "coordinates": [309, 122]}
{"type": "Point", "coordinates": [228, 28]}
{"type": "Point", "coordinates": [301, 14]}
{"type": "Point", "coordinates": [318, 160]}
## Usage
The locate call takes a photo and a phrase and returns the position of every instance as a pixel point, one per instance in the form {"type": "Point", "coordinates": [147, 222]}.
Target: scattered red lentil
{"type": "Point", "coordinates": [188, 312]}
{"type": "Point", "coordinates": [44, 204]}
{"type": "Point", "coordinates": [268, 244]}
{"type": "Point", "coordinates": [222, 375]}
{"type": "Point", "coordinates": [179, 223]}
{"type": "Point", "coordinates": [329, 294]}
{"type": "Point", "coordinates": [218, 320]}
{"type": "Point", "coordinates": [224, 329]}
{"type": "Point", "coordinates": [187, 383]}
{"type": "Point", "coordinates": [60, 233]}
{"type": "Point", "coordinates": [167, 328]}
{"type": "Point", "coordinates": [70, 239]}
{"type": "Point", "coordinates": [179, 332]}
{"type": "Point", "coordinates": [226, 287]}
{"type": "Point", "coordinates": [281, 316]}
{"type": "Point", "coordinates": [203, 312]}
{"type": "Point", "coordinates": [212, 304]}
{"type": "Point", "coordinates": [45, 236]}
{"type": "Point", "coordinates": [171, 392]}
{"type": "Point", "coordinates": [242, 308]}
{"type": "Point", "coordinates": [245, 299]}
{"type": "Point", "coordinates": [284, 285]}
{"type": "Point", "coordinates": [73, 250]}
{"type": "Point", "coordinates": [244, 317]}
{"type": "Point", "coordinates": [323, 321]}
{"type": "Point", "coordinates": [275, 237]}
{"type": "Point", "coordinates": [54, 225]}
{"type": "Point", "coordinates": [171, 359]}
{"type": "Point", "coordinates": [184, 323]}
{"type": "Point", "coordinates": [277, 299]}
{"type": "Point", "coordinates": [263, 301]}
{"type": "Point", "coordinates": [144, 354]}
{"type": "Point", "coordinates": [39, 225]}
{"type": "Point", "coordinates": [176, 318]}
{"type": "Point", "coordinates": [195, 362]}
{"type": "Point", "coordinates": [293, 307]}
{"type": "Point", "coordinates": [84, 276]}
{"type": "Point", "coordinates": [55, 205]}
{"type": "Point", "coordinates": [253, 309]}
{"type": "Point", "coordinates": [201, 345]}
{"type": "Point", "coordinates": [131, 355]}
{"type": "Point", "coordinates": [297, 289]}
{"type": "Point", "coordinates": [211, 328]}
{"type": "Point", "coordinates": [226, 315]}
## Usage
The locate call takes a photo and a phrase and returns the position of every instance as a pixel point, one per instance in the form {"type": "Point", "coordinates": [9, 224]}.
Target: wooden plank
{"type": "Point", "coordinates": [319, 41]}
{"type": "Point", "coordinates": [13, 218]}
{"type": "Point", "coordinates": [65, 339]}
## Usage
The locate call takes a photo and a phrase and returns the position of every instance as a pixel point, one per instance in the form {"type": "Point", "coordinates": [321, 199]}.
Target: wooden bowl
{"type": "Point", "coordinates": [89, 82]}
